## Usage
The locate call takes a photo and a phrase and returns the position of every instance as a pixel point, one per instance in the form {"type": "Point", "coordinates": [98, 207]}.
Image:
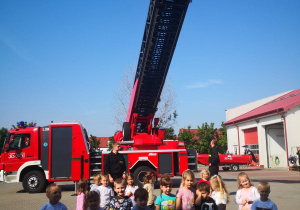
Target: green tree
{"type": "Point", "coordinates": [94, 142]}
{"type": "Point", "coordinates": [188, 137]}
{"type": "Point", "coordinates": [169, 134]}
{"type": "Point", "coordinates": [110, 143]}
{"type": "Point", "coordinates": [206, 133]}
{"type": "Point", "coordinates": [26, 124]}
{"type": "Point", "coordinates": [3, 132]}
{"type": "Point", "coordinates": [222, 139]}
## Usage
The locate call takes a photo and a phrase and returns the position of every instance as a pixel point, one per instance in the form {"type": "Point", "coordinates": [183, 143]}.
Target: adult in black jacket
{"type": "Point", "coordinates": [213, 158]}
{"type": "Point", "coordinates": [114, 164]}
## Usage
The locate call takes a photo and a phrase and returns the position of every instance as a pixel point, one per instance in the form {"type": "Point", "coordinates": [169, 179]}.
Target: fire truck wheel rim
{"type": "Point", "coordinates": [33, 181]}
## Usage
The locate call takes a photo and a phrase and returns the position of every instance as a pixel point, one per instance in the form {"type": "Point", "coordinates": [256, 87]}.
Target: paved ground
{"type": "Point", "coordinates": [285, 190]}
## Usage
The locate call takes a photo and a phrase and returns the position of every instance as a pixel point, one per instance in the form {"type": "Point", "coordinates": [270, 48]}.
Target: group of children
{"type": "Point", "coordinates": [247, 196]}
{"type": "Point", "coordinates": [208, 194]}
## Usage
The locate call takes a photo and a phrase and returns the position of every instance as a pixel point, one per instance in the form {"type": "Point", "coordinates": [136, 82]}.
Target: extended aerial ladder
{"type": "Point", "coordinates": [163, 25]}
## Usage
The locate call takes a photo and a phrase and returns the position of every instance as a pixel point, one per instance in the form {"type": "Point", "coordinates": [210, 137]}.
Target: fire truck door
{"type": "Point", "coordinates": [18, 151]}
{"type": "Point", "coordinates": [61, 152]}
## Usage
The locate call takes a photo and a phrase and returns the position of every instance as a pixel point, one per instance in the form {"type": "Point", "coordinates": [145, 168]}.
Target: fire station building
{"type": "Point", "coordinates": [269, 127]}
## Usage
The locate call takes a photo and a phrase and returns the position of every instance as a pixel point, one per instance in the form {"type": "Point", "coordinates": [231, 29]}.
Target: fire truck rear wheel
{"type": "Point", "coordinates": [139, 175]}
{"type": "Point", "coordinates": [34, 181]}
{"type": "Point", "coordinates": [235, 167]}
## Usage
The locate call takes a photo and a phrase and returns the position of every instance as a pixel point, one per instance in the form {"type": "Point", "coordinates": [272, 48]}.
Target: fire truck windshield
{"type": "Point", "coordinates": [86, 138]}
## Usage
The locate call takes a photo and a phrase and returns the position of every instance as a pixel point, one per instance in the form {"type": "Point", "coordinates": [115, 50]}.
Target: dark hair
{"type": "Point", "coordinates": [203, 186]}
{"type": "Point", "coordinates": [90, 196]}
{"type": "Point", "coordinates": [53, 185]}
{"type": "Point", "coordinates": [115, 143]}
{"type": "Point", "coordinates": [129, 175]}
{"type": "Point", "coordinates": [165, 181]}
{"type": "Point", "coordinates": [141, 194]}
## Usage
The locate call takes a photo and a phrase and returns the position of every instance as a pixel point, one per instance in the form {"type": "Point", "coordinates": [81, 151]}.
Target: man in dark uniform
{"type": "Point", "coordinates": [213, 158]}
{"type": "Point", "coordinates": [114, 164]}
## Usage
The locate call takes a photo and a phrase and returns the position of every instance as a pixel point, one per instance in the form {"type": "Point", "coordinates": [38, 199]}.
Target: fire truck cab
{"type": "Point", "coordinates": [38, 155]}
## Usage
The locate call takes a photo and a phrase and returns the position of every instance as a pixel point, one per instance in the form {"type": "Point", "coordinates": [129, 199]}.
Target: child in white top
{"type": "Point", "coordinates": [97, 182]}
{"type": "Point", "coordinates": [246, 193]}
{"type": "Point", "coordinates": [185, 196]}
{"type": "Point", "coordinates": [220, 194]}
{"type": "Point", "coordinates": [105, 192]}
{"type": "Point", "coordinates": [150, 177]}
{"type": "Point", "coordinates": [130, 188]}
{"type": "Point", "coordinates": [264, 202]}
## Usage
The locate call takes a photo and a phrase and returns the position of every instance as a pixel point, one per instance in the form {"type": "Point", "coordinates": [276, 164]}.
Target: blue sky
{"type": "Point", "coordinates": [63, 60]}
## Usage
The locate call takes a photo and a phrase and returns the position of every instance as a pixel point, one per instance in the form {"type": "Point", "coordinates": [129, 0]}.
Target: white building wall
{"type": "Point", "coordinates": [232, 139]}
{"type": "Point", "coordinates": [232, 135]}
{"type": "Point", "coordinates": [292, 117]}
{"type": "Point", "coordinates": [293, 129]}
{"type": "Point", "coordinates": [237, 111]}
{"type": "Point", "coordinates": [293, 136]}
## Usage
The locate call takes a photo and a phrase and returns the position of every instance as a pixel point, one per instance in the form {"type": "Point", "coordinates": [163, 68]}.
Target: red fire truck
{"type": "Point", "coordinates": [60, 151]}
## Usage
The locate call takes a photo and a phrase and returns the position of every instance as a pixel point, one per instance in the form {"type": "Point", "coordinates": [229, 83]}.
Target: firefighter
{"type": "Point", "coordinates": [213, 158]}
{"type": "Point", "coordinates": [114, 164]}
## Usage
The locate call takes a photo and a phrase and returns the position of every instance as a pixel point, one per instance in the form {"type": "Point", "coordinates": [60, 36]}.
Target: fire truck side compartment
{"type": "Point", "coordinates": [126, 161]}
{"type": "Point", "coordinates": [164, 160]}
{"type": "Point", "coordinates": [61, 154]}
{"type": "Point", "coordinates": [45, 148]}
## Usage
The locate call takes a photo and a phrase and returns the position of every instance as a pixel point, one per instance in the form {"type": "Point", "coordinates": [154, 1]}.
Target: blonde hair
{"type": "Point", "coordinates": [82, 186]}
{"type": "Point", "coordinates": [263, 185]}
{"type": "Point", "coordinates": [204, 171]}
{"type": "Point", "coordinates": [104, 176]}
{"type": "Point", "coordinates": [243, 174]}
{"type": "Point", "coordinates": [96, 177]}
{"type": "Point", "coordinates": [187, 173]}
{"type": "Point", "coordinates": [148, 176]}
{"type": "Point", "coordinates": [119, 181]}
{"type": "Point", "coordinates": [218, 185]}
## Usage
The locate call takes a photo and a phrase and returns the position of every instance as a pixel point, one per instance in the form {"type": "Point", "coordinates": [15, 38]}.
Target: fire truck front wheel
{"type": "Point", "coordinates": [34, 181]}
